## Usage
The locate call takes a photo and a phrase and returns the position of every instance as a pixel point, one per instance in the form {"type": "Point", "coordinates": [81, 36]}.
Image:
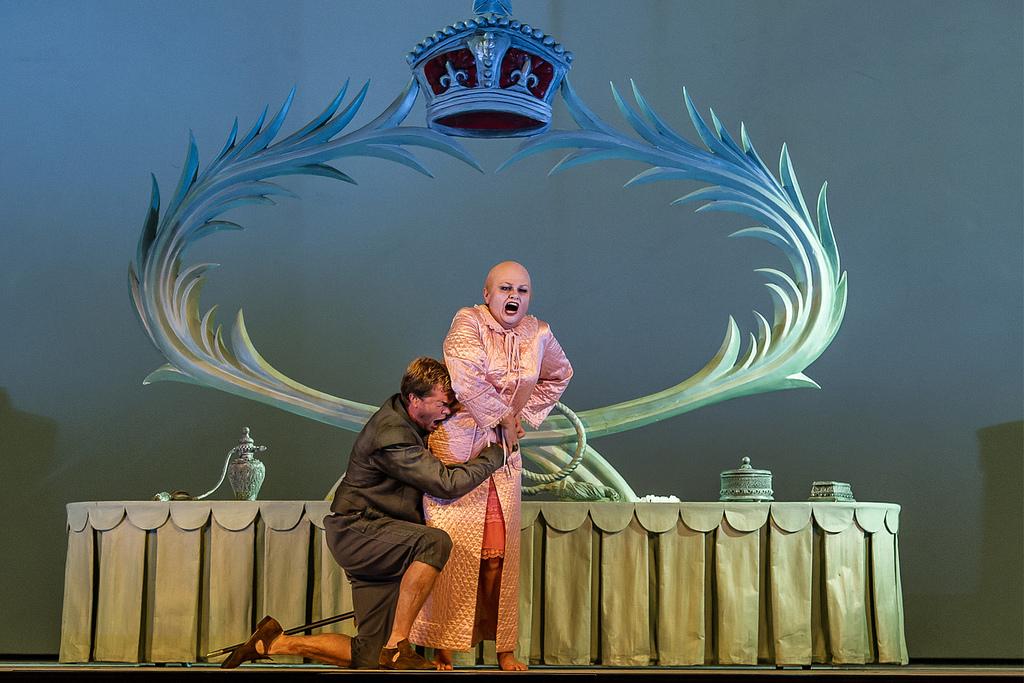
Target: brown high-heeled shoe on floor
{"type": "Point", "coordinates": [266, 631]}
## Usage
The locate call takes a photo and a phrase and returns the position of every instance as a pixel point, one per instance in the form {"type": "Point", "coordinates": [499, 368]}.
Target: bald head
{"type": "Point", "coordinates": [505, 270]}
{"type": "Point", "coordinates": [507, 291]}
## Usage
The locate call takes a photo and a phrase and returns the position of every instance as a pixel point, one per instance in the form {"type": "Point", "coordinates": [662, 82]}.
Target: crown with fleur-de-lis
{"type": "Point", "coordinates": [491, 76]}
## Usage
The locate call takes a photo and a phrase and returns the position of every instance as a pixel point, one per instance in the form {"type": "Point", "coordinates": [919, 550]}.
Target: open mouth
{"type": "Point", "coordinates": [512, 307]}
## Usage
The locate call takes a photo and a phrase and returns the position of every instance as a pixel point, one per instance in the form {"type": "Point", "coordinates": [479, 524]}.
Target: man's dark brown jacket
{"type": "Point", "coordinates": [390, 469]}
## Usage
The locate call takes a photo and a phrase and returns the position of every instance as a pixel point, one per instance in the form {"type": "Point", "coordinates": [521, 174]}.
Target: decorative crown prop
{"type": "Point", "coordinates": [491, 76]}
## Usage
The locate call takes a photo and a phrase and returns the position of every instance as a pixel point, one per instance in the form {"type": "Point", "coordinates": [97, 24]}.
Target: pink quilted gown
{"type": "Point", "coordinates": [495, 372]}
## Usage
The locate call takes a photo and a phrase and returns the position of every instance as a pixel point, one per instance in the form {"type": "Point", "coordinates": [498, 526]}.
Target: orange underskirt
{"type": "Point", "coordinates": [494, 528]}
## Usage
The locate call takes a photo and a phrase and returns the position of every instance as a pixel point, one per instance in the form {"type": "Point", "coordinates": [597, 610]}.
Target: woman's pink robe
{"type": "Point", "coordinates": [495, 372]}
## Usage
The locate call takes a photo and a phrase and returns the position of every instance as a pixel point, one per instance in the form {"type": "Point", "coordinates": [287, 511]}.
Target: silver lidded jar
{"type": "Point", "coordinates": [246, 472]}
{"type": "Point", "coordinates": [746, 484]}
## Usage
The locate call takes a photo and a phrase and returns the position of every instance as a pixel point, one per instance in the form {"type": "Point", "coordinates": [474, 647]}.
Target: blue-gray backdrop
{"type": "Point", "coordinates": [911, 110]}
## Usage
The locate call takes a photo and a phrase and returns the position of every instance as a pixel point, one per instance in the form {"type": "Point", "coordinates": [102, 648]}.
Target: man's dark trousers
{"type": "Point", "coordinates": [375, 552]}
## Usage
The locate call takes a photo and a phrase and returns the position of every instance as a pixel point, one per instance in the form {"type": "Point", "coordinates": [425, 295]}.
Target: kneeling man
{"type": "Point", "coordinates": [377, 532]}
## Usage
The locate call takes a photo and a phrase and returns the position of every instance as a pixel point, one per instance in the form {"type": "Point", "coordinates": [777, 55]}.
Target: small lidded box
{"type": "Point", "coordinates": [831, 491]}
{"type": "Point", "coordinates": [746, 484]}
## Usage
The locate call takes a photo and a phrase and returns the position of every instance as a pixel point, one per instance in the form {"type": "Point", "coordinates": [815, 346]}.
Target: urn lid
{"type": "Point", "coordinates": [746, 484]}
{"type": "Point", "coordinates": [246, 447]}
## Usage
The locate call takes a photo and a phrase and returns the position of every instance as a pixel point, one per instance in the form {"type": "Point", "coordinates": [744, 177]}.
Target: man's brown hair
{"type": "Point", "coordinates": [422, 375]}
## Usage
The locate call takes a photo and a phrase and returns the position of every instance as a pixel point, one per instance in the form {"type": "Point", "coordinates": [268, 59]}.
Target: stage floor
{"type": "Point", "coordinates": [914, 673]}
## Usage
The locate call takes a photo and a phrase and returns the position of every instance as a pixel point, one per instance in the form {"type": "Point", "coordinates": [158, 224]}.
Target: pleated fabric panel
{"type": "Point", "coordinates": [76, 619]}
{"type": "Point", "coordinates": [625, 597]}
{"type": "Point", "coordinates": [737, 567]}
{"type": "Point", "coordinates": [567, 595]}
{"type": "Point", "coordinates": [122, 552]}
{"type": "Point", "coordinates": [681, 624]}
{"type": "Point", "coordinates": [846, 579]}
{"type": "Point", "coordinates": [229, 608]}
{"type": "Point", "coordinates": [790, 577]}
{"type": "Point", "coordinates": [175, 612]}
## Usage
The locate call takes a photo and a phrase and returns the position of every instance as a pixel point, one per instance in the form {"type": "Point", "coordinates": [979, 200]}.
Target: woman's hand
{"type": "Point", "coordinates": [511, 430]}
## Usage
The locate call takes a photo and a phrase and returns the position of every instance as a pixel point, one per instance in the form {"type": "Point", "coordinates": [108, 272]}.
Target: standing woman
{"type": "Point", "coordinates": [506, 366]}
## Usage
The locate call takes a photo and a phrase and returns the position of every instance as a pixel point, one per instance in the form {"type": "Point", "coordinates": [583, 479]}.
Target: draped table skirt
{"type": "Point", "coordinates": [619, 584]}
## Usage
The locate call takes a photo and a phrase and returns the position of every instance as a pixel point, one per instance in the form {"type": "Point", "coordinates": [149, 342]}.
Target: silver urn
{"type": "Point", "coordinates": [246, 472]}
{"type": "Point", "coordinates": [746, 484]}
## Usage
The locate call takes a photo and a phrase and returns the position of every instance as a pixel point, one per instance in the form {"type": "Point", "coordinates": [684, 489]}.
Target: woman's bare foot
{"type": "Point", "coordinates": [443, 659]}
{"type": "Point", "coordinates": [508, 662]}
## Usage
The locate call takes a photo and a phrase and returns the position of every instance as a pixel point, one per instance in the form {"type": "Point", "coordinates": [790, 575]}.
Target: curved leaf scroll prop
{"type": "Point", "coordinates": [166, 294]}
{"type": "Point", "coordinates": [809, 303]}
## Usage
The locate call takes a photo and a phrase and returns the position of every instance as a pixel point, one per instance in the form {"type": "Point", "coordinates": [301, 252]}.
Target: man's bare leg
{"type": "Point", "coordinates": [333, 648]}
{"type": "Point", "coordinates": [329, 648]}
{"type": "Point", "coordinates": [412, 593]}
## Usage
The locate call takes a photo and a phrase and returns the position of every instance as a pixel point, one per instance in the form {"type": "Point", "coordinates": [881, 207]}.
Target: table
{"type": "Point", "coordinates": [621, 584]}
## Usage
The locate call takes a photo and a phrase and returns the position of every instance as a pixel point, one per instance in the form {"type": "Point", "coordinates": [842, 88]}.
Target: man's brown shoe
{"type": "Point", "coordinates": [402, 658]}
{"type": "Point", "coordinates": [266, 631]}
